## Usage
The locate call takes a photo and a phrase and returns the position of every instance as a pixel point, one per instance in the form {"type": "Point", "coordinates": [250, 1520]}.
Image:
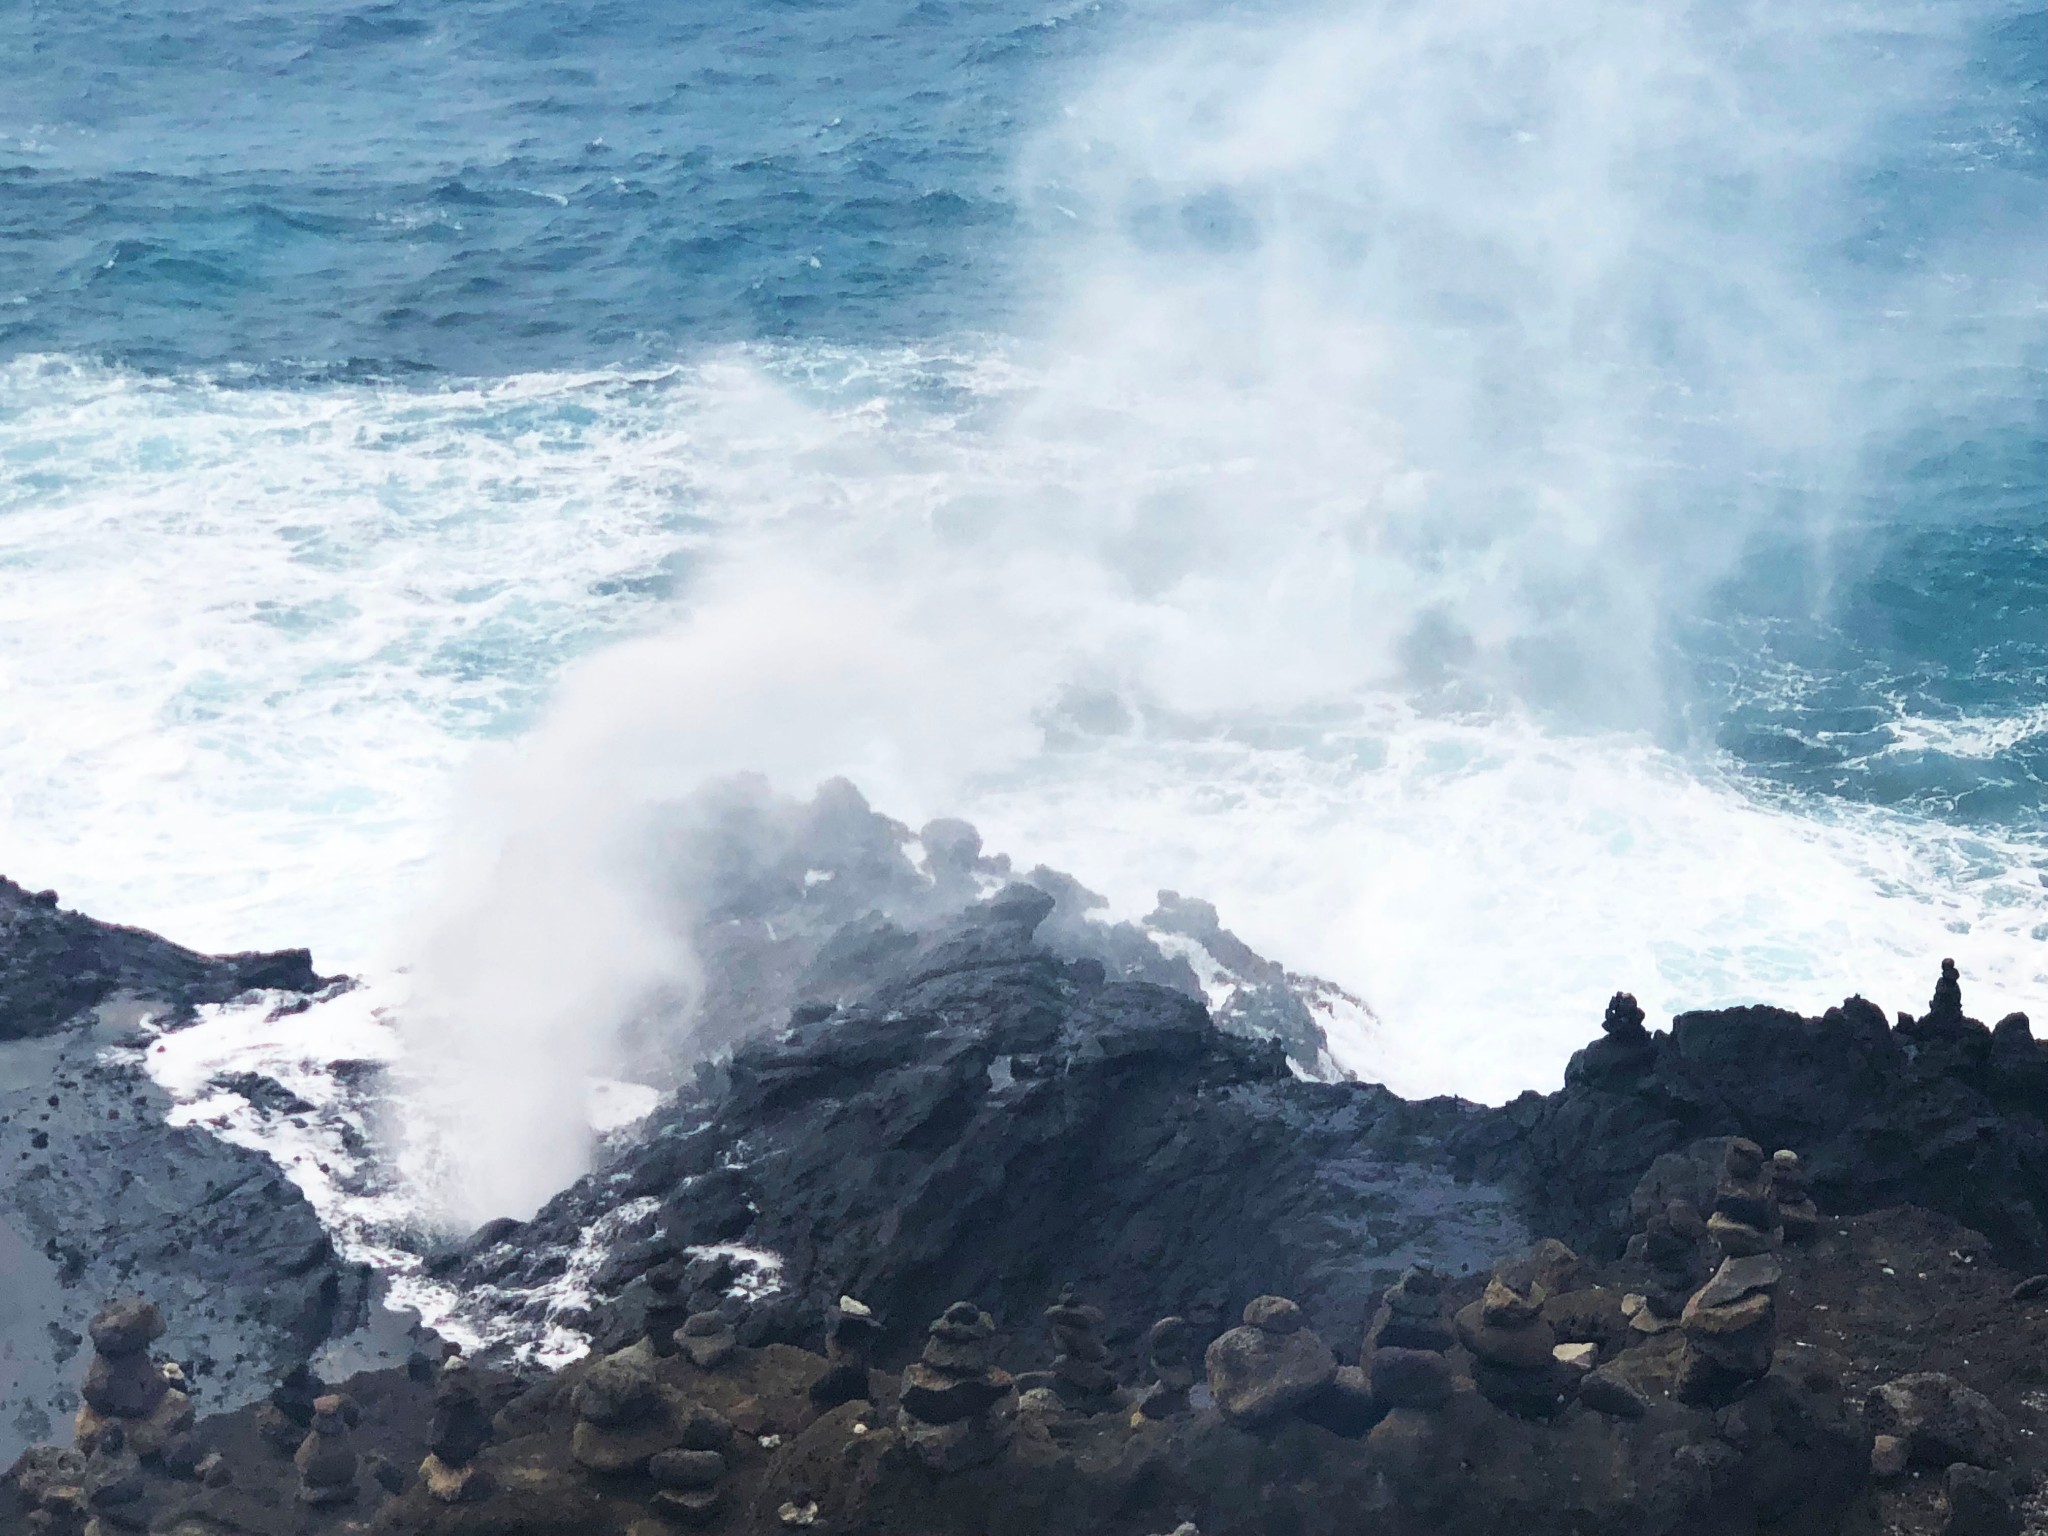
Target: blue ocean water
{"type": "Point", "coordinates": [1515, 504]}
{"type": "Point", "coordinates": [480, 189]}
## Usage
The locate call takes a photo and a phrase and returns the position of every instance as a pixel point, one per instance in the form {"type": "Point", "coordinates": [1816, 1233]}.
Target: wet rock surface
{"type": "Point", "coordinates": [99, 1198]}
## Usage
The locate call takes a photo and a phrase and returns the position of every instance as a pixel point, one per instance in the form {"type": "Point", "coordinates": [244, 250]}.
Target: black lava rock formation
{"type": "Point", "coordinates": [99, 1197]}
{"type": "Point", "coordinates": [56, 964]}
{"type": "Point", "coordinates": [944, 1094]}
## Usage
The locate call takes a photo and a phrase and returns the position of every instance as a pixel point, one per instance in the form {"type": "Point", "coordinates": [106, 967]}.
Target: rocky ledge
{"type": "Point", "coordinates": [990, 1230]}
{"type": "Point", "coordinates": [99, 1196]}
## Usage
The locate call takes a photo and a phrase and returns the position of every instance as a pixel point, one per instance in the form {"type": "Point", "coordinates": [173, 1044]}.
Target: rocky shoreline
{"type": "Point", "coordinates": [989, 1231]}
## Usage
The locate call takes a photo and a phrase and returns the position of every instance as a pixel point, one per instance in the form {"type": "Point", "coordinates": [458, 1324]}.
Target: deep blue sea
{"type": "Point", "coordinates": [1511, 501]}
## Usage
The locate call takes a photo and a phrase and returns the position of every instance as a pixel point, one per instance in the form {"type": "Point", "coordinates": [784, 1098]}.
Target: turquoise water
{"type": "Point", "coordinates": [1512, 502]}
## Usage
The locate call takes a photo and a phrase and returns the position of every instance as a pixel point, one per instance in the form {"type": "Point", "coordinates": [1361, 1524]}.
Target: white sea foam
{"type": "Point", "coordinates": [1405, 365]}
{"type": "Point", "coordinates": [329, 1144]}
{"type": "Point", "coordinates": [1976, 737]}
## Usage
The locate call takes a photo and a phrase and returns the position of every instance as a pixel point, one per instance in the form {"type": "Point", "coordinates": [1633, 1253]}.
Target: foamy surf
{"type": "Point", "coordinates": [367, 586]}
{"type": "Point", "coordinates": [307, 1084]}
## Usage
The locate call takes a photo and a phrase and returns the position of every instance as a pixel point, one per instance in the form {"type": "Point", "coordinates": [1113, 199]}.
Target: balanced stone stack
{"type": "Point", "coordinates": [325, 1458]}
{"type": "Point", "coordinates": [850, 1330]}
{"type": "Point", "coordinates": [623, 1417]}
{"type": "Point", "coordinates": [1513, 1348]}
{"type": "Point", "coordinates": [1080, 1374]}
{"type": "Point", "coordinates": [689, 1480]}
{"type": "Point", "coordinates": [1170, 1361]}
{"type": "Point", "coordinates": [287, 1413]}
{"type": "Point", "coordinates": [128, 1396]}
{"type": "Point", "coordinates": [668, 1306]}
{"type": "Point", "coordinates": [1406, 1344]}
{"type": "Point", "coordinates": [1271, 1365]}
{"type": "Point", "coordinates": [456, 1435]}
{"type": "Point", "coordinates": [708, 1338]}
{"type": "Point", "coordinates": [1671, 1250]}
{"type": "Point", "coordinates": [1730, 1330]}
{"type": "Point", "coordinates": [1745, 1221]}
{"type": "Point", "coordinates": [957, 1408]}
{"type": "Point", "coordinates": [1798, 1216]}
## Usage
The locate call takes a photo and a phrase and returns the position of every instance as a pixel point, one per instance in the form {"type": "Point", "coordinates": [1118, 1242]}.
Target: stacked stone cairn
{"type": "Point", "coordinates": [1080, 1372]}
{"type": "Point", "coordinates": [1798, 1216]}
{"type": "Point", "coordinates": [456, 1436]}
{"type": "Point", "coordinates": [708, 1338]}
{"type": "Point", "coordinates": [1745, 1219]}
{"type": "Point", "coordinates": [1671, 1249]}
{"type": "Point", "coordinates": [668, 1306]}
{"type": "Point", "coordinates": [129, 1398]}
{"type": "Point", "coordinates": [287, 1413]}
{"type": "Point", "coordinates": [1513, 1348]}
{"type": "Point", "coordinates": [1170, 1361]}
{"type": "Point", "coordinates": [1730, 1330]}
{"type": "Point", "coordinates": [1270, 1366]}
{"type": "Point", "coordinates": [850, 1330]}
{"type": "Point", "coordinates": [957, 1408]}
{"type": "Point", "coordinates": [623, 1416]}
{"type": "Point", "coordinates": [325, 1458]}
{"type": "Point", "coordinates": [689, 1480]}
{"type": "Point", "coordinates": [1406, 1343]}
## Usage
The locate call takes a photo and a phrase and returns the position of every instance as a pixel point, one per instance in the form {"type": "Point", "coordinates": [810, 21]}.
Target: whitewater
{"type": "Point", "coordinates": [1508, 506]}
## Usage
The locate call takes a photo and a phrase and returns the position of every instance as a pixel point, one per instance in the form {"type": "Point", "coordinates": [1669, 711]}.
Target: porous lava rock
{"type": "Point", "coordinates": [1940, 1421]}
{"type": "Point", "coordinates": [1270, 1365]}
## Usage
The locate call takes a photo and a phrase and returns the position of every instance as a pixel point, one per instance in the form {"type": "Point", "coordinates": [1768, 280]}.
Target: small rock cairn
{"type": "Point", "coordinates": [623, 1417]}
{"type": "Point", "coordinates": [283, 1417]}
{"type": "Point", "coordinates": [689, 1481]}
{"type": "Point", "coordinates": [709, 1339]}
{"type": "Point", "coordinates": [1271, 1365]}
{"type": "Point", "coordinates": [957, 1408]}
{"type": "Point", "coordinates": [129, 1398]}
{"type": "Point", "coordinates": [1513, 1348]}
{"type": "Point", "coordinates": [325, 1458]}
{"type": "Point", "coordinates": [850, 1330]}
{"type": "Point", "coordinates": [1170, 1360]}
{"type": "Point", "coordinates": [456, 1436]}
{"type": "Point", "coordinates": [1730, 1329]}
{"type": "Point", "coordinates": [1798, 1216]}
{"type": "Point", "coordinates": [1671, 1248]}
{"type": "Point", "coordinates": [668, 1306]}
{"type": "Point", "coordinates": [1406, 1343]}
{"type": "Point", "coordinates": [1080, 1375]}
{"type": "Point", "coordinates": [1745, 1219]}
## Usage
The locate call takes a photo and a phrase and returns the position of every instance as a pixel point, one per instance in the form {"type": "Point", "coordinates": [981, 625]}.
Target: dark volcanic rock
{"type": "Point", "coordinates": [920, 1144]}
{"type": "Point", "coordinates": [55, 965]}
{"type": "Point", "coordinates": [1879, 1117]}
{"type": "Point", "coordinates": [99, 1198]}
{"type": "Point", "coordinates": [970, 1088]}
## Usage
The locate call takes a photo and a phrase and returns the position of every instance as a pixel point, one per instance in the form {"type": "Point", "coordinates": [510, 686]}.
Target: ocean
{"type": "Point", "coordinates": [1511, 502]}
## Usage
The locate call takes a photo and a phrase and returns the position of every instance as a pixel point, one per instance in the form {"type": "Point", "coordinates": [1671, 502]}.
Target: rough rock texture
{"type": "Point", "coordinates": [1941, 1113]}
{"type": "Point", "coordinates": [966, 1089]}
{"type": "Point", "coordinates": [1788, 1459]}
{"type": "Point", "coordinates": [799, 904]}
{"type": "Point", "coordinates": [56, 965]}
{"type": "Point", "coordinates": [917, 1144]}
{"type": "Point", "coordinates": [1940, 1420]}
{"type": "Point", "coordinates": [99, 1198]}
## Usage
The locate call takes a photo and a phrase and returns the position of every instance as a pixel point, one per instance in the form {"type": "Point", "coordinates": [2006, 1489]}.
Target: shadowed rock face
{"type": "Point", "coordinates": [55, 965]}
{"type": "Point", "coordinates": [1940, 1112]}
